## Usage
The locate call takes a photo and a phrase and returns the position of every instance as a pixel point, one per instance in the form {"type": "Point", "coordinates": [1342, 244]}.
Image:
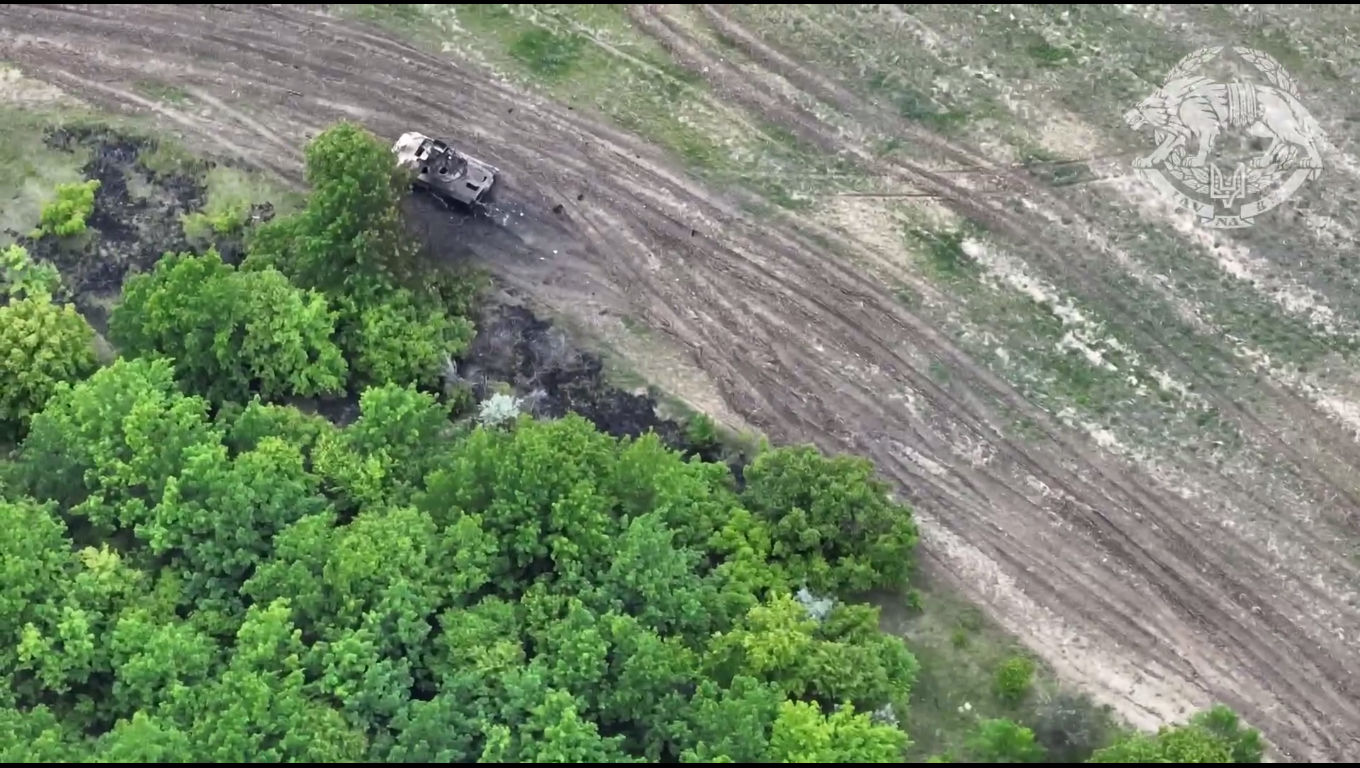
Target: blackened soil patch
{"type": "Point", "coordinates": [137, 218]}
{"type": "Point", "coordinates": [553, 377]}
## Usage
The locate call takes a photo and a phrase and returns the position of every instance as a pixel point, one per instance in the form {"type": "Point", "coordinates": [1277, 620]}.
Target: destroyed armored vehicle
{"type": "Point", "coordinates": [443, 170]}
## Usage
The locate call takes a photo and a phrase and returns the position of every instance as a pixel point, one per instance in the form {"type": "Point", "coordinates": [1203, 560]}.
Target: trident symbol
{"type": "Point", "coordinates": [1234, 188]}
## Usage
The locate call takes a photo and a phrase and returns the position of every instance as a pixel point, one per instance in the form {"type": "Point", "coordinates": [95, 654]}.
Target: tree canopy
{"type": "Point", "coordinates": [231, 333]}
{"type": "Point", "coordinates": [42, 346]}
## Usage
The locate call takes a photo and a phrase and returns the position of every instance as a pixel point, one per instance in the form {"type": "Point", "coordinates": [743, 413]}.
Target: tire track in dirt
{"type": "Point", "coordinates": [753, 304]}
{"type": "Point", "coordinates": [1079, 246]}
{"type": "Point", "coordinates": [1339, 452]}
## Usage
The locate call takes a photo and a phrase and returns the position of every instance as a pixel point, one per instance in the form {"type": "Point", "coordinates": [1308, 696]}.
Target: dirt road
{"type": "Point", "coordinates": [1135, 590]}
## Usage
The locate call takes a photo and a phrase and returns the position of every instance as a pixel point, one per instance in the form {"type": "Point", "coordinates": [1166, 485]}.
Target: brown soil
{"type": "Point", "coordinates": [1100, 566]}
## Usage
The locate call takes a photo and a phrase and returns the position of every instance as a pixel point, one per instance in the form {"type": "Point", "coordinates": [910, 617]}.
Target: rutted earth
{"type": "Point", "coordinates": [1159, 587]}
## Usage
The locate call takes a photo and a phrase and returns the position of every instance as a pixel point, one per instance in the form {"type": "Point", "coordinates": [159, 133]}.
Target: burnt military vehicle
{"type": "Point", "coordinates": [443, 170]}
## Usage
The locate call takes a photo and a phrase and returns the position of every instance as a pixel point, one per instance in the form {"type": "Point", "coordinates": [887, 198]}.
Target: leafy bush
{"type": "Point", "coordinates": [399, 317]}
{"type": "Point", "coordinates": [1070, 729]}
{"type": "Point", "coordinates": [1003, 741]}
{"type": "Point", "coordinates": [832, 523]}
{"type": "Point", "coordinates": [41, 346]}
{"type": "Point", "coordinates": [230, 333]}
{"type": "Point", "coordinates": [104, 446]}
{"type": "Point", "coordinates": [65, 214]}
{"type": "Point", "coordinates": [1212, 736]}
{"type": "Point", "coordinates": [701, 432]}
{"type": "Point", "coordinates": [1014, 678]}
{"type": "Point", "coordinates": [400, 339]}
{"type": "Point", "coordinates": [21, 277]}
{"type": "Point", "coordinates": [230, 220]}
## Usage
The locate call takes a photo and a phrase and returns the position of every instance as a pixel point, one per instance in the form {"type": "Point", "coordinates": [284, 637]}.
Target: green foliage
{"type": "Point", "coordinates": [701, 432]}
{"type": "Point", "coordinates": [246, 426]}
{"type": "Point", "coordinates": [230, 220]}
{"type": "Point", "coordinates": [1003, 741]}
{"type": "Point", "coordinates": [21, 277]}
{"type": "Point", "coordinates": [381, 458]}
{"type": "Point", "coordinates": [540, 593]}
{"type": "Point", "coordinates": [65, 214]}
{"type": "Point", "coordinates": [802, 734]}
{"type": "Point", "coordinates": [548, 53]}
{"type": "Point", "coordinates": [1014, 678]}
{"type": "Point", "coordinates": [1069, 729]}
{"type": "Point", "coordinates": [1213, 736]}
{"type": "Point", "coordinates": [832, 524]}
{"type": "Point", "coordinates": [399, 319]}
{"type": "Point", "coordinates": [400, 339]}
{"type": "Point", "coordinates": [350, 238]}
{"type": "Point", "coordinates": [230, 333]}
{"type": "Point", "coordinates": [106, 448]}
{"type": "Point", "coordinates": [41, 347]}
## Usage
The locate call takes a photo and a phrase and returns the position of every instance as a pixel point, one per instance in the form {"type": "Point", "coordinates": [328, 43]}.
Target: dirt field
{"type": "Point", "coordinates": [1179, 531]}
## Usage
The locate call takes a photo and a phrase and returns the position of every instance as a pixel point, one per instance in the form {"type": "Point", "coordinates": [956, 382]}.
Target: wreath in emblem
{"type": "Point", "coordinates": [1258, 179]}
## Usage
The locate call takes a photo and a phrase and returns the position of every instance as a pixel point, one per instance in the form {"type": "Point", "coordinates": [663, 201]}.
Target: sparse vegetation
{"type": "Point", "coordinates": [547, 53]}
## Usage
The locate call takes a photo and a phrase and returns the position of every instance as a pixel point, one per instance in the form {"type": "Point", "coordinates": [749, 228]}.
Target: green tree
{"type": "Point", "coordinates": [399, 338]}
{"type": "Point", "coordinates": [230, 333]}
{"type": "Point", "coordinates": [145, 739]}
{"type": "Point", "coordinates": [41, 346]}
{"type": "Point", "coordinates": [246, 425]}
{"type": "Point", "coordinates": [844, 660]}
{"type": "Point", "coordinates": [832, 524]}
{"type": "Point", "coordinates": [258, 709]}
{"type": "Point", "coordinates": [152, 656]}
{"type": "Point", "coordinates": [731, 724]}
{"type": "Point", "coordinates": [399, 318]}
{"type": "Point", "coordinates": [220, 514]}
{"type": "Point", "coordinates": [541, 491]}
{"type": "Point", "coordinates": [105, 448]}
{"type": "Point", "coordinates": [802, 734]}
{"type": "Point", "coordinates": [554, 732]}
{"type": "Point", "coordinates": [35, 566]}
{"type": "Point", "coordinates": [350, 238]}
{"type": "Point", "coordinates": [383, 457]}
{"type": "Point", "coordinates": [37, 736]}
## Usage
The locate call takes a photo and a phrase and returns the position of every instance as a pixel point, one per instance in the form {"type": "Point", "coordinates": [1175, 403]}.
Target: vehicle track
{"type": "Point", "coordinates": [1108, 574]}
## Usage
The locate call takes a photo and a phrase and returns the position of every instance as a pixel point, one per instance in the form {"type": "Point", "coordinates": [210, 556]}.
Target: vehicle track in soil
{"type": "Point", "coordinates": [1103, 573]}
